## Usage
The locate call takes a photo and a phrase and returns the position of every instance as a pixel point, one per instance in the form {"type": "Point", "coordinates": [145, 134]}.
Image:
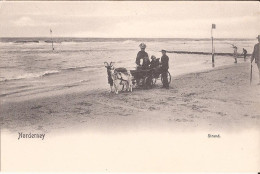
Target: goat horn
{"type": "Point", "coordinates": [111, 63]}
{"type": "Point", "coordinates": [106, 63]}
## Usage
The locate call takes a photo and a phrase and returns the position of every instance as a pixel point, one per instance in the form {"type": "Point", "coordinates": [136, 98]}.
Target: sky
{"type": "Point", "coordinates": [131, 19]}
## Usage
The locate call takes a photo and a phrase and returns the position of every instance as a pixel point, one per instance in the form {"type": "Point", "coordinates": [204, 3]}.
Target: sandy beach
{"type": "Point", "coordinates": [57, 113]}
{"type": "Point", "coordinates": [218, 99]}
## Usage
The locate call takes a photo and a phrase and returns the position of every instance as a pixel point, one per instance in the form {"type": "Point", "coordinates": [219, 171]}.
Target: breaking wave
{"type": "Point", "coordinates": [128, 41]}
{"type": "Point", "coordinates": [31, 75]}
{"type": "Point", "coordinates": [50, 72]}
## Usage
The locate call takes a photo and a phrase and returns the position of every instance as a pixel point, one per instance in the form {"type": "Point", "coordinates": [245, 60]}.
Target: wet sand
{"type": "Point", "coordinates": [219, 99]}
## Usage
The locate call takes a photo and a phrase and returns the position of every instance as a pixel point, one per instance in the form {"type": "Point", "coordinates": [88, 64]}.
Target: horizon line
{"type": "Point", "coordinates": [126, 37]}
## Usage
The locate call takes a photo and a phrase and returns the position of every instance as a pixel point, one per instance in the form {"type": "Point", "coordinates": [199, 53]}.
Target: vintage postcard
{"type": "Point", "coordinates": [130, 86]}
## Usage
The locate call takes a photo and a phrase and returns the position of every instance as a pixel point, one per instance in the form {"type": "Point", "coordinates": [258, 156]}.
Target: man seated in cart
{"type": "Point", "coordinates": [155, 62]}
{"type": "Point", "coordinates": [142, 55]}
{"type": "Point", "coordinates": [155, 66]}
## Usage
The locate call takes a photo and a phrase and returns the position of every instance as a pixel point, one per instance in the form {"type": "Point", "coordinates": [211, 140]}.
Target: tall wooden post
{"type": "Point", "coordinates": [51, 40]}
{"type": "Point", "coordinates": [212, 44]}
{"type": "Point", "coordinates": [212, 47]}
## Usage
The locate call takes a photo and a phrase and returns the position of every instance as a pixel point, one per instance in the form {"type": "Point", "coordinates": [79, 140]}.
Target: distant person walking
{"type": "Point", "coordinates": [235, 53]}
{"type": "Point", "coordinates": [244, 53]}
{"type": "Point", "coordinates": [256, 55]}
{"type": "Point", "coordinates": [164, 69]}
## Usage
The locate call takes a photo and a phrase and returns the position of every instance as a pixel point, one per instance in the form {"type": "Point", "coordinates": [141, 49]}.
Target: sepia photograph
{"type": "Point", "coordinates": [130, 86]}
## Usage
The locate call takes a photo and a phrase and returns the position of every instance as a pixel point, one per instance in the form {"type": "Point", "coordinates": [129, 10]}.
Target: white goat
{"type": "Point", "coordinates": [118, 76]}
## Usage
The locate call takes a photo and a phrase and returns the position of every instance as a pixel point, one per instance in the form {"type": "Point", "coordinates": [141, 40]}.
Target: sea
{"type": "Point", "coordinates": [29, 66]}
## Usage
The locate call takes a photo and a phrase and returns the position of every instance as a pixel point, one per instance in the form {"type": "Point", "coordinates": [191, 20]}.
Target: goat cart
{"type": "Point", "coordinates": [147, 78]}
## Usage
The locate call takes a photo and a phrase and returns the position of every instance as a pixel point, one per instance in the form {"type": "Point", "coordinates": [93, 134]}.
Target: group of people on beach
{"type": "Point", "coordinates": [143, 62]}
{"type": "Point", "coordinates": [255, 55]}
{"type": "Point", "coordinates": [244, 53]}
{"type": "Point", "coordinates": [164, 64]}
{"type": "Point", "coordinates": [155, 63]}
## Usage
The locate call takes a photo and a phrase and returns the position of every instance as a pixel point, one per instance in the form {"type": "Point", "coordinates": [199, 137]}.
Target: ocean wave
{"type": "Point", "coordinates": [31, 42]}
{"type": "Point", "coordinates": [82, 67]}
{"type": "Point", "coordinates": [128, 41]}
{"type": "Point", "coordinates": [54, 41]}
{"type": "Point", "coordinates": [70, 43]}
{"type": "Point", "coordinates": [31, 75]}
{"type": "Point", "coordinates": [50, 72]}
{"type": "Point", "coordinates": [27, 41]}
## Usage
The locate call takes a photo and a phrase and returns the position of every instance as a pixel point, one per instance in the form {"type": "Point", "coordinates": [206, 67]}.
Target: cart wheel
{"type": "Point", "coordinates": [148, 82]}
{"type": "Point", "coordinates": [168, 77]}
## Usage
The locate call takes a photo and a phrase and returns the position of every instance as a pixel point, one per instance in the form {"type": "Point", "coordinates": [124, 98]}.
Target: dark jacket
{"type": "Point", "coordinates": [154, 63]}
{"type": "Point", "coordinates": [140, 55]}
{"type": "Point", "coordinates": [256, 54]}
{"type": "Point", "coordinates": [165, 62]}
{"type": "Point", "coordinates": [146, 63]}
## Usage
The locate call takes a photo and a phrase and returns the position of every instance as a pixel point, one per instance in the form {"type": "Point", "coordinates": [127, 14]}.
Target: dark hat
{"type": "Point", "coordinates": [142, 45]}
{"type": "Point", "coordinates": [163, 51]}
{"type": "Point", "coordinates": [153, 57]}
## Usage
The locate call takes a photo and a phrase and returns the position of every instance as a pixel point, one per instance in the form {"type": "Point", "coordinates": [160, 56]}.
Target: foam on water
{"type": "Point", "coordinates": [31, 75]}
{"type": "Point", "coordinates": [128, 41]}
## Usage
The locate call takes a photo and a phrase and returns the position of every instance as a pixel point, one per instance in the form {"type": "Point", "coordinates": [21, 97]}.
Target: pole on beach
{"type": "Point", "coordinates": [213, 50]}
{"type": "Point", "coordinates": [251, 71]}
{"type": "Point", "coordinates": [51, 40]}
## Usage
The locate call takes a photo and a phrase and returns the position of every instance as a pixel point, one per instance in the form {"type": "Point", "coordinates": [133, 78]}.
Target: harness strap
{"type": "Point", "coordinates": [122, 79]}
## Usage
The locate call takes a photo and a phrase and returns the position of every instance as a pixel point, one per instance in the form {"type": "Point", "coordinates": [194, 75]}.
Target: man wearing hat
{"type": "Point", "coordinates": [164, 69]}
{"type": "Point", "coordinates": [256, 56]}
{"type": "Point", "coordinates": [142, 55]}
